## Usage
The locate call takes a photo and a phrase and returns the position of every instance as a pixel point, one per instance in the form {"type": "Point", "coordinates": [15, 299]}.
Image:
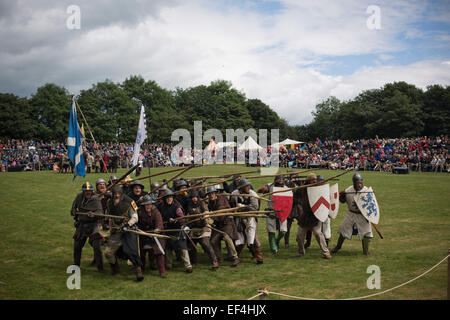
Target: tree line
{"type": "Point", "coordinates": [396, 110]}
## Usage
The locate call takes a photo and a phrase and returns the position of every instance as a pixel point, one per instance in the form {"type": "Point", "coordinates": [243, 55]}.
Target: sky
{"type": "Point", "coordinates": [291, 54]}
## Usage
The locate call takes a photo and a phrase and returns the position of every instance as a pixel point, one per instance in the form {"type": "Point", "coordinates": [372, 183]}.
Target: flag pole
{"type": "Point", "coordinates": [74, 143]}
{"type": "Point", "coordinates": [90, 131]}
{"type": "Point", "coordinates": [148, 163]}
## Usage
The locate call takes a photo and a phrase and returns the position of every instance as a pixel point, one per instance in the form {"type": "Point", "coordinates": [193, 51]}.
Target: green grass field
{"type": "Point", "coordinates": [37, 247]}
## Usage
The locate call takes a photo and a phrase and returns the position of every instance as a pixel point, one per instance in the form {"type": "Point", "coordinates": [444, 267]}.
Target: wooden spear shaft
{"type": "Point", "coordinates": [197, 187]}
{"type": "Point", "coordinates": [158, 174]}
{"type": "Point", "coordinates": [306, 185]}
{"type": "Point", "coordinates": [100, 215]}
{"type": "Point", "coordinates": [122, 177]}
{"type": "Point", "coordinates": [277, 175]}
{"type": "Point", "coordinates": [246, 195]}
{"type": "Point", "coordinates": [151, 235]}
{"type": "Point", "coordinates": [224, 176]}
{"type": "Point", "coordinates": [171, 179]}
{"type": "Point", "coordinates": [250, 213]}
{"type": "Point", "coordinates": [174, 230]}
{"type": "Point", "coordinates": [376, 229]}
{"type": "Point", "coordinates": [209, 212]}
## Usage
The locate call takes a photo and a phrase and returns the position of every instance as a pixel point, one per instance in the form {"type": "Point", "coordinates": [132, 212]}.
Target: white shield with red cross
{"type": "Point", "coordinates": [282, 202]}
{"type": "Point", "coordinates": [319, 200]}
{"type": "Point", "coordinates": [334, 201]}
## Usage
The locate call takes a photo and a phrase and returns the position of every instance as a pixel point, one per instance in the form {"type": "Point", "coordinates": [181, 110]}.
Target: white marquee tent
{"type": "Point", "coordinates": [250, 144]}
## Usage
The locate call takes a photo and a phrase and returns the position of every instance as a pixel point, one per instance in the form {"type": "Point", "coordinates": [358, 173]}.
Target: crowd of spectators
{"type": "Point", "coordinates": [19, 155]}
{"type": "Point", "coordinates": [411, 154]}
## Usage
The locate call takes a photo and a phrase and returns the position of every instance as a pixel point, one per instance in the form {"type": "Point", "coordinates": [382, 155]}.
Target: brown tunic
{"type": "Point", "coordinates": [200, 207]}
{"type": "Point", "coordinates": [224, 223]}
{"type": "Point", "coordinates": [149, 222]}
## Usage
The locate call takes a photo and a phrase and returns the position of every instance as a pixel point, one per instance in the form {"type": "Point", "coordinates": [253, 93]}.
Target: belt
{"type": "Point", "coordinates": [357, 212]}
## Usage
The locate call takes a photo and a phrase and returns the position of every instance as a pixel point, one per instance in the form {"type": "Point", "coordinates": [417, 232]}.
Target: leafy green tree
{"type": "Point", "coordinates": [110, 112]}
{"type": "Point", "coordinates": [51, 105]}
{"type": "Point", "coordinates": [161, 116]}
{"type": "Point", "coordinates": [16, 117]}
{"type": "Point", "coordinates": [325, 124]}
{"type": "Point", "coordinates": [436, 109]}
{"type": "Point", "coordinates": [353, 117]}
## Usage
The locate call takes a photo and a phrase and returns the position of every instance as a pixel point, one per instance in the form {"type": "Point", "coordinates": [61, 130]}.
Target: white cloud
{"type": "Point", "coordinates": [279, 58]}
{"type": "Point", "coordinates": [420, 74]}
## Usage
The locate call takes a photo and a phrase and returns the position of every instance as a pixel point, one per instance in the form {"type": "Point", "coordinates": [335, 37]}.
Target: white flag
{"type": "Point", "coordinates": [141, 136]}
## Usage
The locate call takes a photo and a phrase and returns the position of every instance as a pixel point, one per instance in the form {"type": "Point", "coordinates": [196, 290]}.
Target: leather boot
{"type": "Point", "coordinates": [308, 239]}
{"type": "Point", "coordinates": [114, 268]}
{"type": "Point", "coordinates": [280, 236]}
{"type": "Point", "coordinates": [161, 266]}
{"type": "Point", "coordinates": [287, 233]}
{"type": "Point", "coordinates": [215, 265]}
{"type": "Point", "coordinates": [339, 244]}
{"type": "Point", "coordinates": [258, 255]}
{"type": "Point", "coordinates": [365, 245]}
{"type": "Point", "coordinates": [252, 251]}
{"type": "Point", "coordinates": [139, 275]}
{"type": "Point", "coordinates": [239, 249]}
{"type": "Point", "coordinates": [235, 262]}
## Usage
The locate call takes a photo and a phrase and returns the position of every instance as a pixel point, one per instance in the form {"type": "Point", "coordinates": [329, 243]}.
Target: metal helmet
{"type": "Point", "coordinates": [320, 177]}
{"type": "Point", "coordinates": [155, 185]}
{"type": "Point", "coordinates": [181, 183]}
{"type": "Point", "coordinates": [357, 178]}
{"type": "Point", "coordinates": [137, 183]}
{"type": "Point", "coordinates": [243, 183]}
{"type": "Point", "coordinates": [211, 189]}
{"type": "Point", "coordinates": [168, 193]}
{"type": "Point", "coordinates": [87, 186]}
{"type": "Point", "coordinates": [113, 178]}
{"type": "Point", "coordinates": [219, 187]}
{"type": "Point", "coordinates": [100, 181]}
{"type": "Point", "coordinates": [163, 188]}
{"type": "Point", "coordinates": [148, 199]}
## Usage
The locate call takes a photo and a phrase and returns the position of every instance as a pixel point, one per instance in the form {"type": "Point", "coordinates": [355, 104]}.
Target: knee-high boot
{"type": "Point", "coordinates": [161, 266]}
{"type": "Point", "coordinates": [308, 238]}
{"type": "Point", "coordinates": [281, 234]}
{"type": "Point", "coordinates": [365, 246]}
{"type": "Point", "coordinates": [339, 244]}
{"type": "Point", "coordinates": [258, 255]}
{"type": "Point", "coordinates": [273, 243]}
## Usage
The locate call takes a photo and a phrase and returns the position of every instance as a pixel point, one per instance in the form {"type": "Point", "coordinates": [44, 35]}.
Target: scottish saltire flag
{"type": "Point", "coordinates": [74, 144]}
{"type": "Point", "coordinates": [141, 136]}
